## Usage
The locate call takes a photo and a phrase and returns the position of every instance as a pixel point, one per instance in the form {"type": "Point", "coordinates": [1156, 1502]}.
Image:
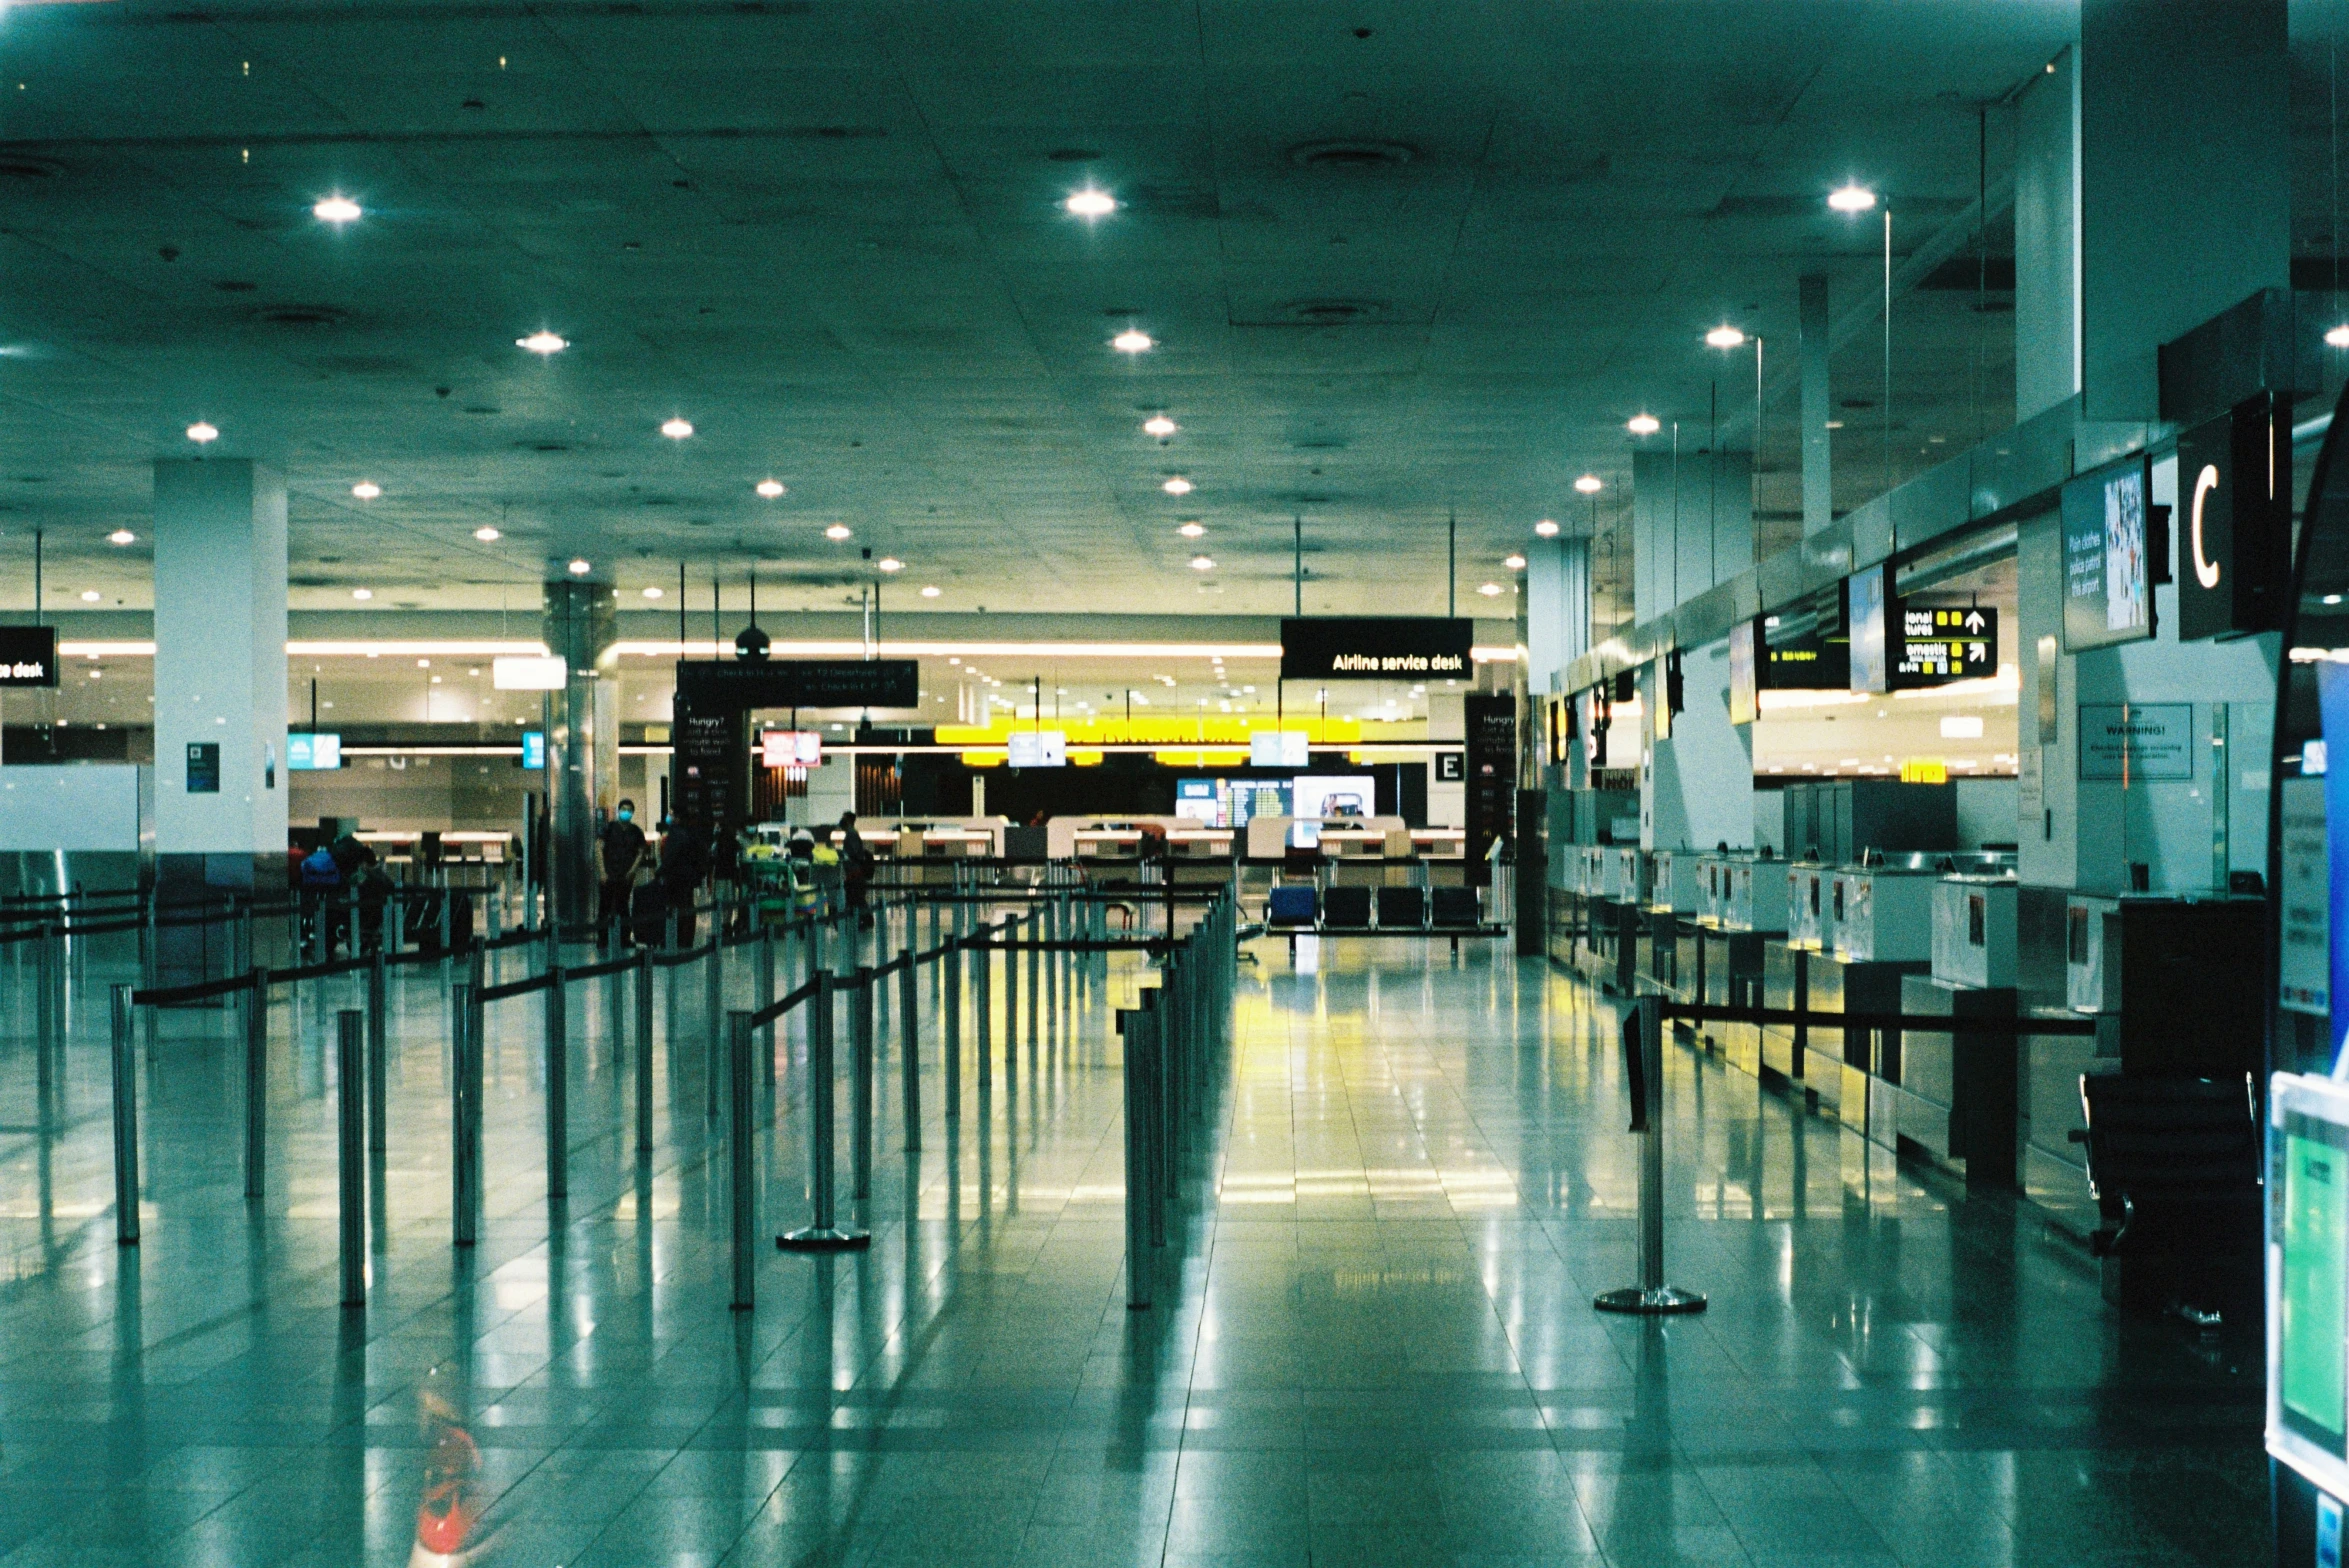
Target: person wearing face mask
{"type": "Point", "coordinates": [620, 855]}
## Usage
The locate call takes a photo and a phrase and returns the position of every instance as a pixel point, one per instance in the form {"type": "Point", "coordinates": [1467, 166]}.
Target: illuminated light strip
{"type": "Point", "coordinates": [100, 650]}
{"type": "Point", "coordinates": [467, 648]}
{"type": "Point", "coordinates": [424, 646]}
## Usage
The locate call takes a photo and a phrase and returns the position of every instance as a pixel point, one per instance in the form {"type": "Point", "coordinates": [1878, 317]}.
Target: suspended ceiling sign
{"type": "Point", "coordinates": [1376, 648]}
{"type": "Point", "coordinates": [1944, 645]}
{"type": "Point", "coordinates": [2110, 544]}
{"type": "Point", "coordinates": [28, 655]}
{"type": "Point", "coordinates": [800, 683]}
{"type": "Point", "coordinates": [2234, 548]}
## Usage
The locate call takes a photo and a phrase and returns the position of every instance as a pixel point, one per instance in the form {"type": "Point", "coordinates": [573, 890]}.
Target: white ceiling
{"type": "Point", "coordinates": [829, 235]}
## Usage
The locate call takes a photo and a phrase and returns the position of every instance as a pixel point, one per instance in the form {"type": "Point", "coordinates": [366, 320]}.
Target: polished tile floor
{"type": "Point", "coordinates": [1373, 1343]}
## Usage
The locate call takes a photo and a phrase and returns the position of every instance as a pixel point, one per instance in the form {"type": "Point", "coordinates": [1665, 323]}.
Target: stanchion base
{"type": "Point", "coordinates": [1650, 1303]}
{"type": "Point", "coordinates": [814, 1240]}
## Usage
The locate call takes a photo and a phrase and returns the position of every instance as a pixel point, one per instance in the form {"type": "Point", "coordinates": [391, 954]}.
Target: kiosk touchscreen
{"type": "Point", "coordinates": [2308, 1278]}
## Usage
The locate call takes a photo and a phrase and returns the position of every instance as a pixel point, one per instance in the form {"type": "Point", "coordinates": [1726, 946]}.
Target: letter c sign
{"type": "Point", "coordinates": [2206, 570]}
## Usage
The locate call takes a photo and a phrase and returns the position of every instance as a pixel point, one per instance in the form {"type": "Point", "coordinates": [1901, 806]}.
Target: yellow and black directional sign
{"type": "Point", "coordinates": [1938, 646]}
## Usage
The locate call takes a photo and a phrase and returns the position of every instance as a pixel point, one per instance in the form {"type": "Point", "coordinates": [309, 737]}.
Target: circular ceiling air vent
{"type": "Point", "coordinates": [301, 315]}
{"type": "Point", "coordinates": [1352, 155]}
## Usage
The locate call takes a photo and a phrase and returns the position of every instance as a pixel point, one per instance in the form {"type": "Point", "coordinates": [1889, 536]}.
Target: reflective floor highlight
{"type": "Point", "coordinates": [1374, 1342]}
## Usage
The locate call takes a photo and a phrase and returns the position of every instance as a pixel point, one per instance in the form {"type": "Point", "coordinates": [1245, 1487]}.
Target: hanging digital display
{"type": "Point", "coordinates": [28, 656]}
{"type": "Point", "coordinates": [2109, 542]}
{"type": "Point", "coordinates": [315, 751]}
{"type": "Point", "coordinates": [2308, 1278]}
{"type": "Point", "coordinates": [1371, 648]}
{"type": "Point", "coordinates": [1806, 646]}
{"type": "Point", "coordinates": [1867, 598]}
{"type": "Point", "coordinates": [1744, 691]}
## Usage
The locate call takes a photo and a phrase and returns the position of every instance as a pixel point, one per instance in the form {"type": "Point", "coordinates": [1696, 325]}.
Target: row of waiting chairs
{"type": "Point", "coordinates": [1308, 908]}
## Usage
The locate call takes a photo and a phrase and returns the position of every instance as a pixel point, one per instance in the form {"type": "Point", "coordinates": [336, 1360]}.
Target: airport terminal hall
{"type": "Point", "coordinates": [1174, 783]}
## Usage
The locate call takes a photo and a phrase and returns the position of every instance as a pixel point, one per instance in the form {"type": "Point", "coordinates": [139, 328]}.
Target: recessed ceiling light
{"type": "Point", "coordinates": [581, 568]}
{"type": "Point", "coordinates": [2338, 337]}
{"type": "Point", "coordinates": [1588, 484]}
{"type": "Point", "coordinates": [366, 489]}
{"type": "Point", "coordinates": [336, 209]}
{"type": "Point", "coordinates": [122, 536]}
{"type": "Point", "coordinates": [1643, 424]}
{"type": "Point", "coordinates": [91, 596]}
{"type": "Point", "coordinates": [1837, 424]}
{"type": "Point", "coordinates": [1191, 530]}
{"type": "Point", "coordinates": [1160, 426]}
{"type": "Point", "coordinates": [201, 433]}
{"type": "Point", "coordinates": [362, 593]}
{"type": "Point", "coordinates": [1851, 198]}
{"type": "Point", "coordinates": [1133, 341]}
{"type": "Point", "coordinates": [837, 531]}
{"type": "Point", "coordinates": [890, 563]}
{"type": "Point", "coordinates": [770, 488]}
{"type": "Point", "coordinates": [543, 342]}
{"type": "Point", "coordinates": [1724, 336]}
{"type": "Point", "coordinates": [1090, 204]}
{"type": "Point", "coordinates": [1178, 485]}
{"type": "Point", "coordinates": [1515, 563]}
{"type": "Point", "coordinates": [487, 535]}
{"type": "Point", "coordinates": [652, 593]}
{"type": "Point", "coordinates": [1490, 590]}
{"type": "Point", "coordinates": [929, 591]}
{"type": "Point", "coordinates": [1546, 529]}
{"type": "Point", "coordinates": [2332, 598]}
{"type": "Point", "coordinates": [676, 429]}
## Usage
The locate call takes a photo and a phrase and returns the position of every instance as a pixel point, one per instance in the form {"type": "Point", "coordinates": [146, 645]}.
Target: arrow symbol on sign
{"type": "Point", "coordinates": [1978, 652]}
{"type": "Point", "coordinates": [1974, 622]}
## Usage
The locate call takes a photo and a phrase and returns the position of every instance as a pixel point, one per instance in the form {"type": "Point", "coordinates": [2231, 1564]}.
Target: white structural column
{"type": "Point", "coordinates": [2047, 237]}
{"type": "Point", "coordinates": [1557, 609]}
{"type": "Point", "coordinates": [1697, 789]}
{"type": "Point", "coordinates": [1692, 524]}
{"type": "Point", "coordinates": [1818, 406]}
{"type": "Point", "coordinates": [220, 670]}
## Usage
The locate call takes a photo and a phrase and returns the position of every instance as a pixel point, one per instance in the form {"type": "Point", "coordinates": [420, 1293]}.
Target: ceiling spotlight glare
{"type": "Point", "coordinates": [770, 488]}
{"type": "Point", "coordinates": [362, 593]}
{"type": "Point", "coordinates": [1724, 336]}
{"type": "Point", "coordinates": [930, 590]}
{"type": "Point", "coordinates": [1851, 198]}
{"type": "Point", "coordinates": [202, 433]}
{"type": "Point", "coordinates": [366, 489]}
{"type": "Point", "coordinates": [487, 535]}
{"type": "Point", "coordinates": [1202, 563]}
{"type": "Point", "coordinates": [677, 429]}
{"type": "Point", "coordinates": [1160, 426]}
{"type": "Point", "coordinates": [1490, 590]}
{"type": "Point", "coordinates": [1588, 484]}
{"type": "Point", "coordinates": [837, 532]}
{"type": "Point", "coordinates": [1191, 530]}
{"type": "Point", "coordinates": [122, 536]}
{"type": "Point", "coordinates": [336, 209]}
{"type": "Point", "coordinates": [1545, 529]}
{"type": "Point", "coordinates": [91, 596]}
{"type": "Point", "coordinates": [890, 563]}
{"type": "Point", "coordinates": [1515, 563]}
{"type": "Point", "coordinates": [581, 568]}
{"type": "Point", "coordinates": [1178, 485]}
{"type": "Point", "coordinates": [1643, 424]}
{"type": "Point", "coordinates": [543, 342]}
{"type": "Point", "coordinates": [1133, 341]}
{"type": "Point", "coordinates": [652, 593]}
{"type": "Point", "coordinates": [2338, 337]}
{"type": "Point", "coordinates": [1090, 204]}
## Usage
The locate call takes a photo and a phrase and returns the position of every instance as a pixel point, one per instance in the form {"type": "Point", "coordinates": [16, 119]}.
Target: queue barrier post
{"type": "Point", "coordinates": [257, 1083]}
{"type": "Point", "coordinates": [350, 1097]}
{"type": "Point", "coordinates": [465, 1115]}
{"type": "Point", "coordinates": [1643, 1063]}
{"type": "Point", "coordinates": [983, 1004]}
{"type": "Point", "coordinates": [558, 1088]}
{"type": "Point", "coordinates": [378, 1071]}
{"type": "Point", "coordinates": [644, 1052]}
{"type": "Point", "coordinates": [713, 1014]}
{"type": "Point", "coordinates": [1008, 931]}
{"type": "Point", "coordinates": [822, 1234]}
{"type": "Point", "coordinates": [860, 1068]}
{"type": "Point", "coordinates": [742, 1159]}
{"type": "Point", "coordinates": [126, 1120]}
{"type": "Point", "coordinates": [910, 1042]}
{"type": "Point", "coordinates": [948, 991]}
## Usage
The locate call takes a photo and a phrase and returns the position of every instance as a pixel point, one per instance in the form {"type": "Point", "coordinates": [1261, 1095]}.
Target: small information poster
{"type": "Point", "coordinates": [204, 767]}
{"type": "Point", "coordinates": [2137, 741]}
{"type": "Point", "coordinates": [2304, 957]}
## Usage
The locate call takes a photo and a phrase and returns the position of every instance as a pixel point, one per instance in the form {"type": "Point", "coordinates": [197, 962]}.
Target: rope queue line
{"type": "Point", "coordinates": [1180, 1028]}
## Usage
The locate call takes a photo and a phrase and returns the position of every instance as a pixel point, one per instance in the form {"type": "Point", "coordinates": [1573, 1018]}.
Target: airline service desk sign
{"type": "Point", "coordinates": [28, 656]}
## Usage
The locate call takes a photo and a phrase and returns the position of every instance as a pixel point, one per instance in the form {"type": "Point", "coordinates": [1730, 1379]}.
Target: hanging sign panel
{"type": "Point", "coordinates": [28, 656]}
{"type": "Point", "coordinates": [1376, 648]}
{"type": "Point", "coordinates": [710, 685]}
{"type": "Point", "coordinates": [1938, 646]}
{"type": "Point", "coordinates": [2235, 521]}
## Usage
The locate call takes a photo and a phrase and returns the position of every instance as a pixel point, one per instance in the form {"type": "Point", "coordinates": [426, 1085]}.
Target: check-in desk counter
{"type": "Point", "coordinates": [1806, 905]}
{"type": "Point", "coordinates": [1955, 1096]}
{"type": "Point", "coordinates": [1752, 902]}
{"type": "Point", "coordinates": [1675, 957]}
{"type": "Point", "coordinates": [1880, 925]}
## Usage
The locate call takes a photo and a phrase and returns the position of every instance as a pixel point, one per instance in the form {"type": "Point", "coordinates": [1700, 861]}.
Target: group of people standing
{"type": "Point", "coordinates": [638, 890]}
